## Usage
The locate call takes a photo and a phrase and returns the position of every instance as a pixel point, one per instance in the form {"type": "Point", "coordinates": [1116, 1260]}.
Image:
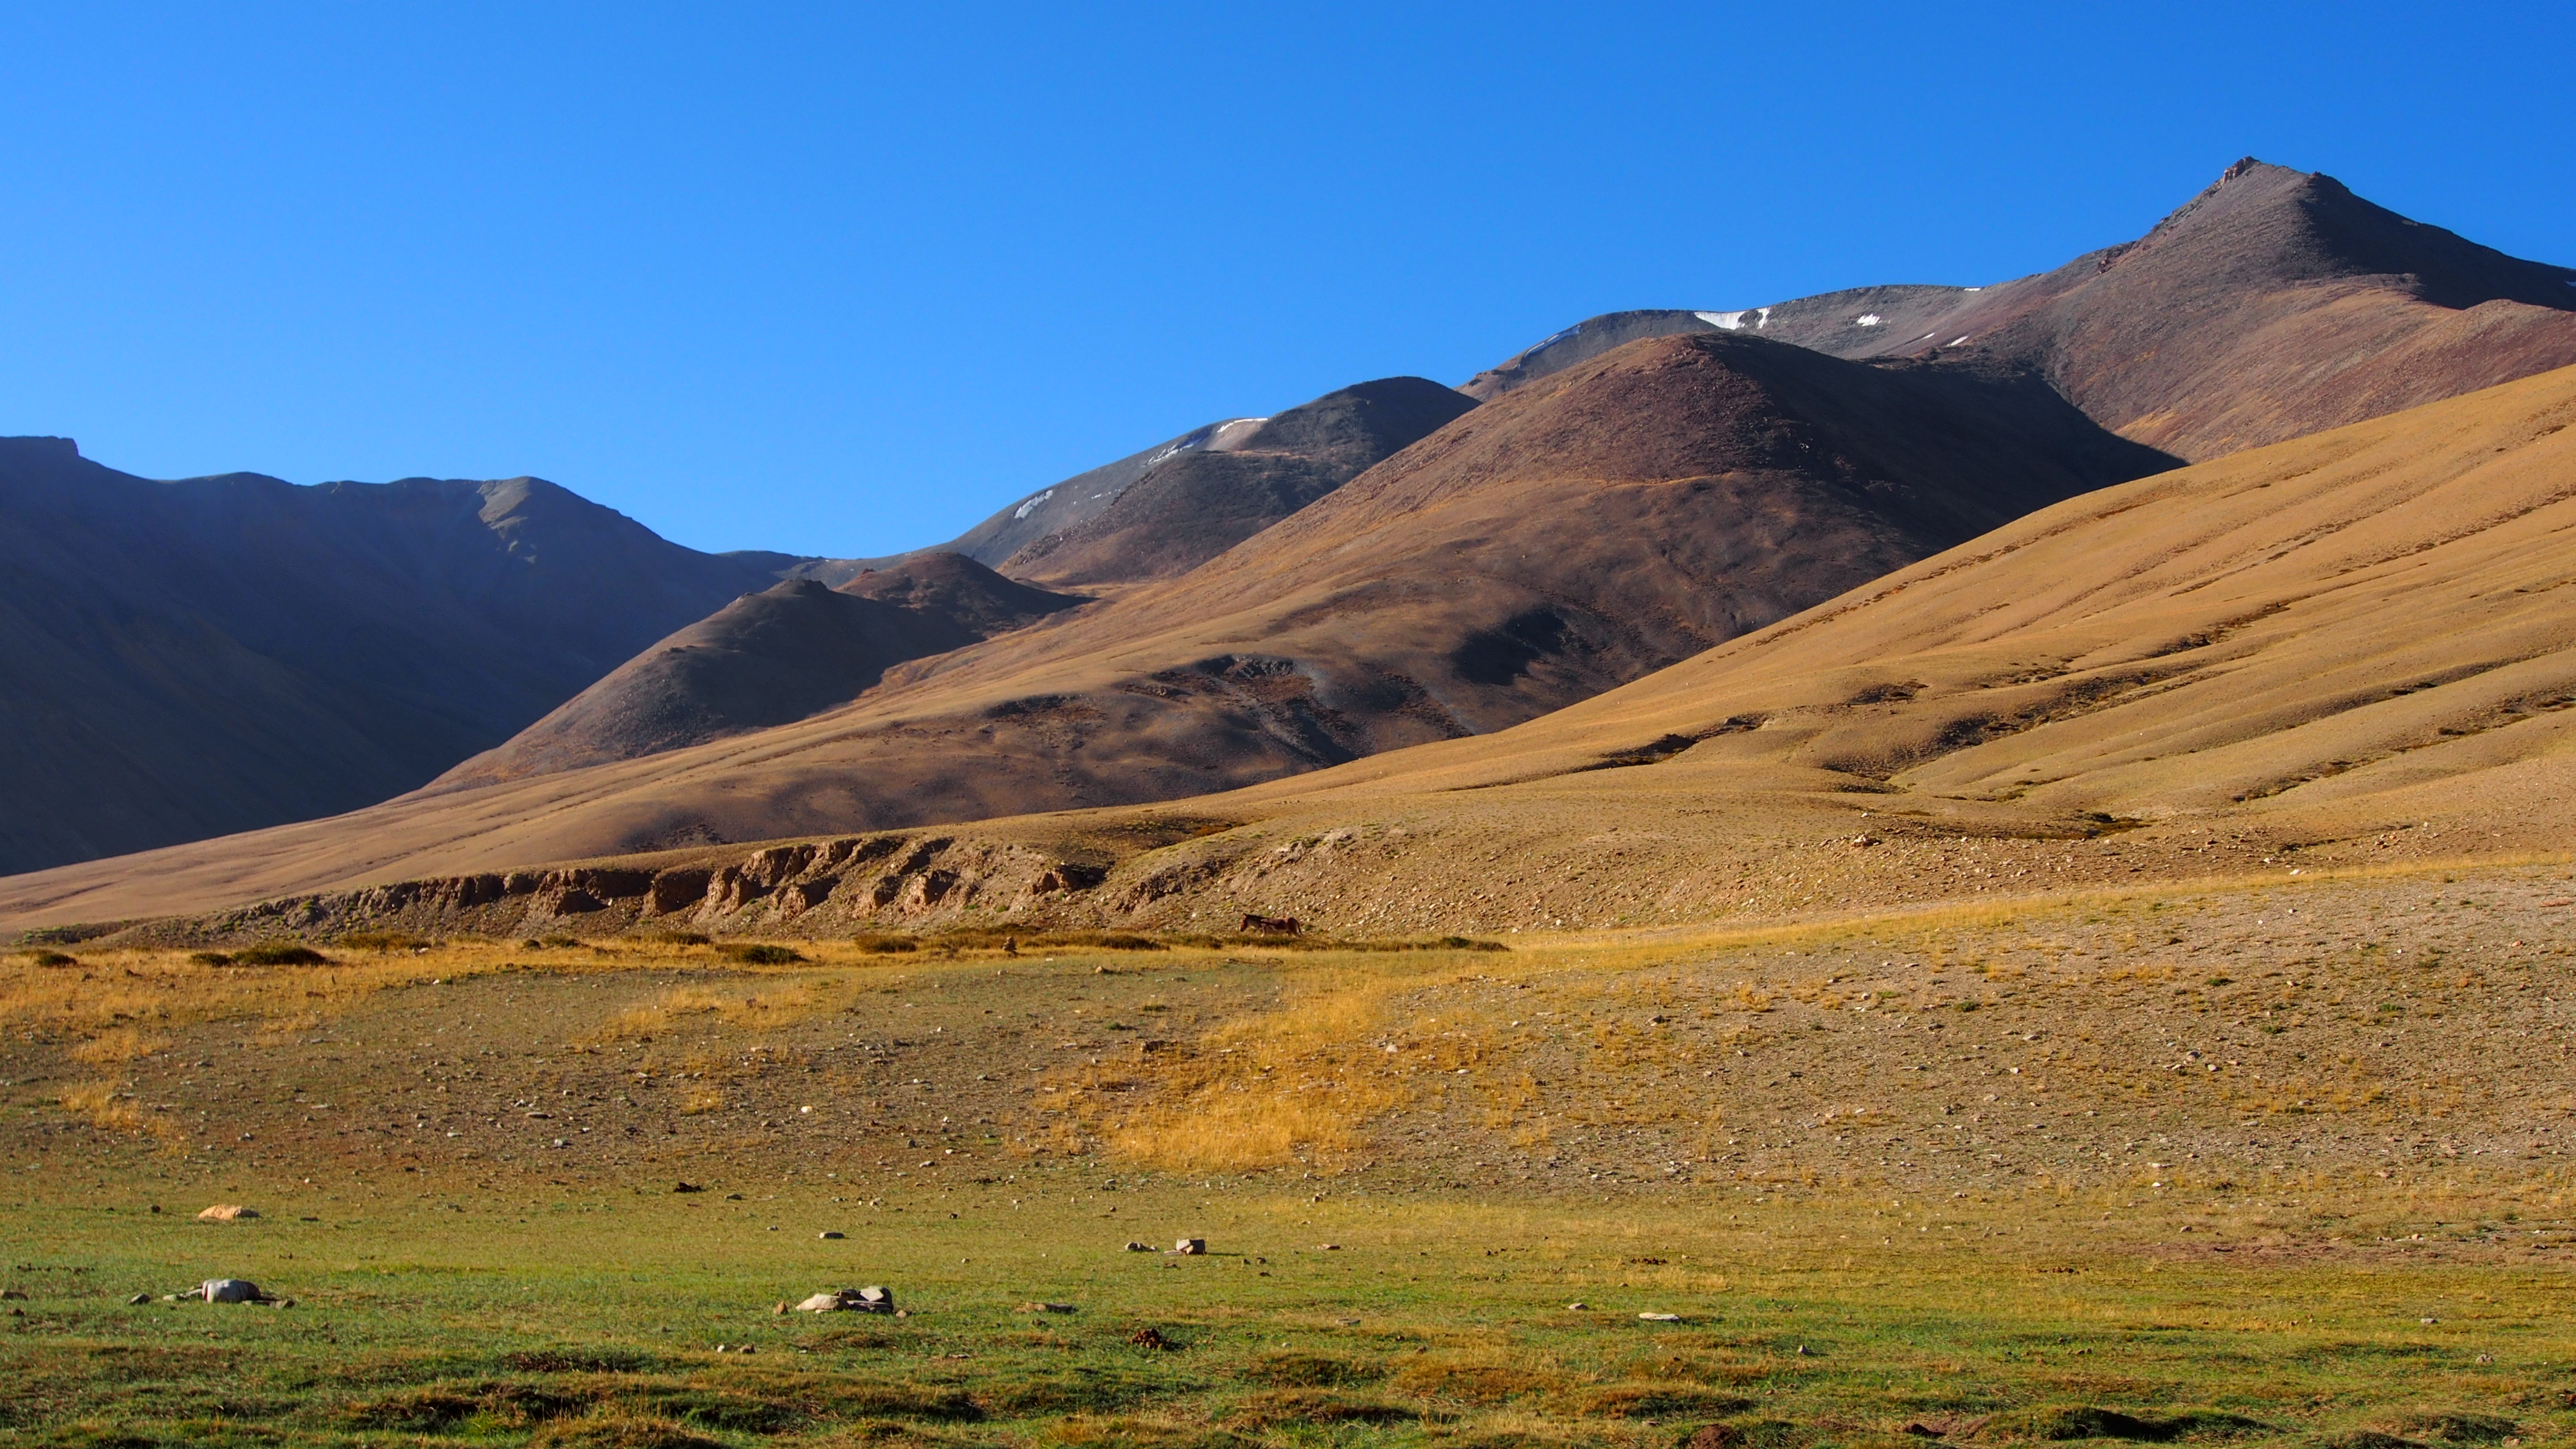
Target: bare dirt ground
{"type": "Point", "coordinates": [2289, 1039]}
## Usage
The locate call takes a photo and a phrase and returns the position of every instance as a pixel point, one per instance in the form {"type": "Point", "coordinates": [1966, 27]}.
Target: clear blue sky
{"type": "Point", "coordinates": [843, 279]}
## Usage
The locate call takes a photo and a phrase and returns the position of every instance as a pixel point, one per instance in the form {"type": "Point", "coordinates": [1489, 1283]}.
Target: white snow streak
{"type": "Point", "coordinates": [1722, 321]}
{"type": "Point", "coordinates": [1025, 509]}
{"type": "Point", "coordinates": [1868, 319]}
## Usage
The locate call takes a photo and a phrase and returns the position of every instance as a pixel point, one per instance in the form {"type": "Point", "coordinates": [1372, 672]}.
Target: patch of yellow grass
{"type": "Point", "coordinates": [1295, 1084]}
{"type": "Point", "coordinates": [699, 1103]}
{"type": "Point", "coordinates": [759, 1007]}
{"type": "Point", "coordinates": [100, 1104]}
{"type": "Point", "coordinates": [118, 1044]}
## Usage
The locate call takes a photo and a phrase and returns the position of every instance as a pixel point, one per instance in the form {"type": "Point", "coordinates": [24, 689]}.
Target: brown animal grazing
{"type": "Point", "coordinates": [1272, 925]}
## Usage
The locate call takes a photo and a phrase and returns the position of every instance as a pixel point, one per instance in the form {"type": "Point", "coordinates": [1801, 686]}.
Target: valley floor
{"type": "Point", "coordinates": [2234, 1160]}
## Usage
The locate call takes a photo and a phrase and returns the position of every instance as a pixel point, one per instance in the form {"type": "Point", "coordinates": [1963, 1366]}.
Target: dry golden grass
{"type": "Point", "coordinates": [115, 1045]}
{"type": "Point", "coordinates": [109, 1107]}
{"type": "Point", "coordinates": [1289, 1085]}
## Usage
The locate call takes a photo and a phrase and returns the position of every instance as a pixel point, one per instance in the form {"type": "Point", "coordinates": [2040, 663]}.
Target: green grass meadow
{"type": "Point", "coordinates": [560, 1315]}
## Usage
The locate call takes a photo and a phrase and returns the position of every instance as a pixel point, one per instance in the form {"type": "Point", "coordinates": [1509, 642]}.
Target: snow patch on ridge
{"type": "Point", "coordinates": [1867, 319]}
{"type": "Point", "coordinates": [1025, 509]}
{"type": "Point", "coordinates": [1722, 321]}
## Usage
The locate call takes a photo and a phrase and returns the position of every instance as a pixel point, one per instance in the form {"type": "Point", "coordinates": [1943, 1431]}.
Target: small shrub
{"type": "Point", "coordinates": [759, 954]}
{"type": "Point", "coordinates": [679, 938]}
{"type": "Point", "coordinates": [551, 943]}
{"type": "Point", "coordinates": [210, 958]}
{"type": "Point", "coordinates": [884, 945]}
{"type": "Point", "coordinates": [52, 958]}
{"type": "Point", "coordinates": [279, 953]}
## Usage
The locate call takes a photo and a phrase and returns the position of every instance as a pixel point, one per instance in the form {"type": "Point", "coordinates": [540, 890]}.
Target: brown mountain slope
{"type": "Point", "coordinates": [1197, 504]}
{"type": "Point", "coordinates": [2346, 651]}
{"type": "Point", "coordinates": [1086, 495]}
{"type": "Point", "coordinates": [769, 658]}
{"type": "Point", "coordinates": [184, 659]}
{"type": "Point", "coordinates": [2274, 304]}
{"type": "Point", "coordinates": [1572, 537]}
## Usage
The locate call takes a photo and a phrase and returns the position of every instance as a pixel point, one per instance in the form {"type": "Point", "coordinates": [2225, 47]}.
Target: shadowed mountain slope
{"type": "Point", "coordinates": [1195, 505]}
{"type": "Point", "coordinates": [1561, 541]}
{"type": "Point", "coordinates": [2274, 304]}
{"type": "Point", "coordinates": [769, 658]}
{"type": "Point", "coordinates": [211, 655]}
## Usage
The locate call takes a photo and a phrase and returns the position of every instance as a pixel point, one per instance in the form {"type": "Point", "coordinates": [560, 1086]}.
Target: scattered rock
{"type": "Point", "coordinates": [686, 1187]}
{"type": "Point", "coordinates": [231, 1290]}
{"type": "Point", "coordinates": [138, 1299]}
{"type": "Point", "coordinates": [779, 1309]}
{"type": "Point", "coordinates": [1660, 1317]}
{"type": "Point", "coordinates": [1148, 1338]}
{"type": "Point", "coordinates": [1139, 1248]}
{"type": "Point", "coordinates": [1046, 1308]}
{"type": "Point", "coordinates": [1329, 1248]}
{"type": "Point", "coordinates": [1191, 1247]}
{"type": "Point", "coordinates": [828, 1236]}
{"type": "Point", "coordinates": [1578, 1308]}
{"type": "Point", "coordinates": [849, 1300]}
{"type": "Point", "coordinates": [227, 1212]}
{"type": "Point", "coordinates": [13, 1295]}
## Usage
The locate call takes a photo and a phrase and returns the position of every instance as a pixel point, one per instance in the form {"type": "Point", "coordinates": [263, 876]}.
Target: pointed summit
{"type": "Point", "coordinates": [2273, 304]}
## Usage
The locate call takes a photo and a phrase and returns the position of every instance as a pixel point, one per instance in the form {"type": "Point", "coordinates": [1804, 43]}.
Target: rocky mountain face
{"type": "Point", "coordinates": [211, 655]}
{"type": "Point", "coordinates": [1079, 499]}
{"type": "Point", "coordinates": [1194, 505]}
{"type": "Point", "coordinates": [2274, 304]}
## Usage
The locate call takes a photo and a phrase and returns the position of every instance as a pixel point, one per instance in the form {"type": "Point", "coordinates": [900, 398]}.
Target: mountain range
{"type": "Point", "coordinates": [1386, 569]}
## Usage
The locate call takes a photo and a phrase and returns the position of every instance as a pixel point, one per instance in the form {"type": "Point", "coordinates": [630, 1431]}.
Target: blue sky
{"type": "Point", "coordinates": [843, 279]}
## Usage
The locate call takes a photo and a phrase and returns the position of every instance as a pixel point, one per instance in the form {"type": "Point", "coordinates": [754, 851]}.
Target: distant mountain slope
{"type": "Point", "coordinates": [216, 654]}
{"type": "Point", "coordinates": [1191, 507]}
{"type": "Point", "coordinates": [1083, 497]}
{"type": "Point", "coordinates": [1562, 540]}
{"type": "Point", "coordinates": [769, 658]}
{"type": "Point", "coordinates": [2274, 304]}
